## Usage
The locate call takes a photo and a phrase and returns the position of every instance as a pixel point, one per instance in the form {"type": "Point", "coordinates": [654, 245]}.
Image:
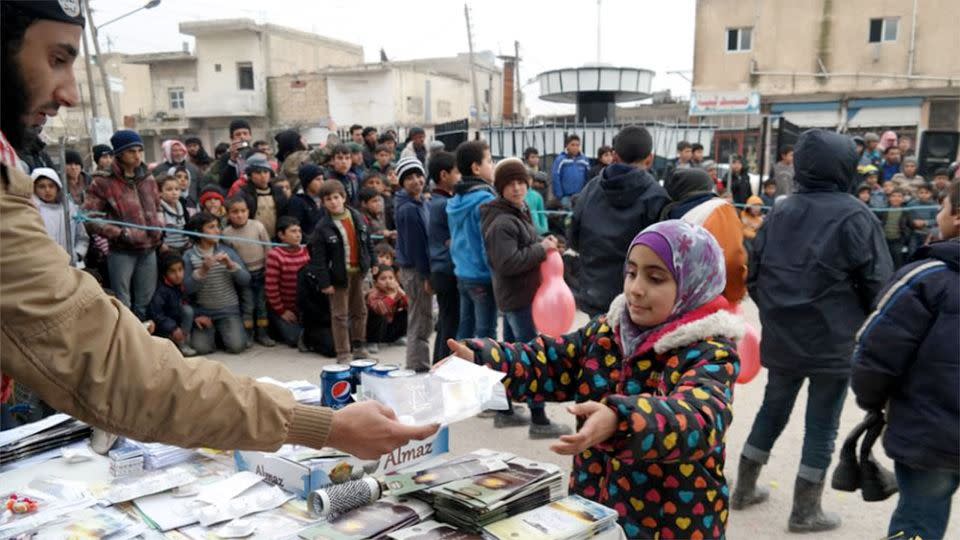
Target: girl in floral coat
{"type": "Point", "coordinates": [653, 381]}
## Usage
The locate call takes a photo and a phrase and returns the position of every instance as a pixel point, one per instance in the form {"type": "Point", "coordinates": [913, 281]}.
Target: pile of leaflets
{"type": "Point", "coordinates": [40, 437]}
{"type": "Point", "coordinates": [158, 455]}
{"type": "Point", "coordinates": [472, 503]}
{"type": "Point", "coordinates": [571, 518]}
{"type": "Point", "coordinates": [371, 521]}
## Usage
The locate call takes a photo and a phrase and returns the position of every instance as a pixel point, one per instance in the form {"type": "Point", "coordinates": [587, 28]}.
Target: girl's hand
{"type": "Point", "coordinates": [600, 425]}
{"type": "Point", "coordinates": [460, 350]}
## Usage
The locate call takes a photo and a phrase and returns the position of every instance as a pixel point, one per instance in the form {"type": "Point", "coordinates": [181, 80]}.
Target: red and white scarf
{"type": "Point", "coordinates": [8, 156]}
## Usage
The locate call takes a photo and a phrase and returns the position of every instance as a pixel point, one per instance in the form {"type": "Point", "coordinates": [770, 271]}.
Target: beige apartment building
{"type": "Point", "coordinates": [851, 65]}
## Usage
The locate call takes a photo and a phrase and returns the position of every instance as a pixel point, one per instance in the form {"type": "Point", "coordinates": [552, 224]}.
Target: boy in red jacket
{"type": "Point", "coordinates": [283, 265]}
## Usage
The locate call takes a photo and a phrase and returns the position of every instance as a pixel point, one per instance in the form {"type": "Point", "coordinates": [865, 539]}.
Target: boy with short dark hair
{"type": "Point", "coordinates": [377, 181]}
{"type": "Point", "coordinates": [386, 255]}
{"type": "Point", "coordinates": [906, 363]}
{"type": "Point", "coordinates": [340, 164]}
{"type": "Point", "coordinates": [941, 180]}
{"type": "Point", "coordinates": [682, 161]}
{"type": "Point", "coordinates": [696, 154]}
{"type": "Point", "coordinates": [769, 194]}
{"type": "Point", "coordinates": [570, 171]}
{"type": "Point", "coordinates": [478, 310]}
{"type": "Point", "coordinates": [445, 176]}
{"type": "Point", "coordinates": [169, 309]}
{"type": "Point", "coordinates": [531, 158]}
{"type": "Point", "coordinates": [371, 208]}
{"type": "Point", "coordinates": [383, 157]}
{"type": "Point", "coordinates": [280, 282]}
{"type": "Point", "coordinates": [251, 245]}
{"type": "Point", "coordinates": [896, 225]}
{"type": "Point", "coordinates": [340, 252]}
{"type": "Point", "coordinates": [923, 219]}
{"type": "Point", "coordinates": [413, 258]}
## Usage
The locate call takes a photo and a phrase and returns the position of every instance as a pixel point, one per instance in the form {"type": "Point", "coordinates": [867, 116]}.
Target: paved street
{"type": "Point", "coordinates": [861, 520]}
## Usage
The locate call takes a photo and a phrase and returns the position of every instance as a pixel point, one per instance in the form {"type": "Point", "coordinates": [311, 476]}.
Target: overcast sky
{"type": "Point", "coordinates": [553, 34]}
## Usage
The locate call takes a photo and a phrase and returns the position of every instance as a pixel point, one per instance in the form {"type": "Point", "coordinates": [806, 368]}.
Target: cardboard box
{"type": "Point", "coordinates": [302, 470]}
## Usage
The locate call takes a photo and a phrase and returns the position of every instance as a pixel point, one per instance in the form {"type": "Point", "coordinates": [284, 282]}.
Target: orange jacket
{"type": "Point", "coordinates": [720, 218]}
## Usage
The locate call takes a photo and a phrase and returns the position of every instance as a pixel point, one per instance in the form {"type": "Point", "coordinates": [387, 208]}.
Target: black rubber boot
{"type": "Point", "coordinates": [745, 491]}
{"type": "Point", "coordinates": [807, 516]}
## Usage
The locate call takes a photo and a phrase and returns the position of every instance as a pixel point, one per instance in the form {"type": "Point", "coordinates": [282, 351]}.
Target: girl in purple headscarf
{"type": "Point", "coordinates": [653, 381]}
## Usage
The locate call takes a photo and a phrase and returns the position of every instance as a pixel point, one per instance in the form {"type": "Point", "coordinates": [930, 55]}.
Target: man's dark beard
{"type": "Point", "coordinates": [13, 100]}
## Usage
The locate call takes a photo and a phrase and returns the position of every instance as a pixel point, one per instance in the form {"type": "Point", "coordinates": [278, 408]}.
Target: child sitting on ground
{"type": "Point", "coordinates": [174, 216]}
{"type": "Point", "coordinates": [213, 273]}
{"type": "Point", "coordinates": [283, 265]}
{"type": "Point", "coordinates": [252, 245]}
{"type": "Point", "coordinates": [168, 308]}
{"type": "Point", "coordinates": [653, 379]}
{"type": "Point", "coordinates": [386, 308]}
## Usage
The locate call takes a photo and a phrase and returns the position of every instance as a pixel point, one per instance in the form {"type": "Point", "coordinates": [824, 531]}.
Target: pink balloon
{"type": "Point", "coordinates": [749, 351]}
{"type": "Point", "coordinates": [553, 306]}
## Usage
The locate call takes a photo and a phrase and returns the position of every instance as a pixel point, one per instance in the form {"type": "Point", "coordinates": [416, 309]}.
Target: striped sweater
{"type": "Point", "coordinates": [281, 278]}
{"type": "Point", "coordinates": [217, 291]}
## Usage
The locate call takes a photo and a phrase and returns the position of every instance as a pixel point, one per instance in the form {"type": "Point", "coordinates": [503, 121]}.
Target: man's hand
{"type": "Point", "coordinates": [203, 321]}
{"type": "Point", "coordinates": [549, 243]}
{"type": "Point", "coordinates": [327, 290]}
{"type": "Point", "coordinates": [369, 429]}
{"type": "Point", "coordinates": [235, 149]}
{"type": "Point", "coordinates": [289, 316]}
{"type": "Point", "coordinates": [460, 350]}
{"type": "Point", "coordinates": [178, 336]}
{"type": "Point", "coordinates": [600, 425]}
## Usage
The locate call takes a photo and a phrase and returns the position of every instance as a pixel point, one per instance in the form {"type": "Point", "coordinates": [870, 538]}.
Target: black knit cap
{"type": "Point", "coordinates": [101, 149]}
{"type": "Point", "coordinates": [65, 11]}
{"type": "Point", "coordinates": [72, 157]}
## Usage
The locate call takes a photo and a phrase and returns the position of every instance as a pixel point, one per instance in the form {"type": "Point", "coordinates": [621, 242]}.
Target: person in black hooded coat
{"type": "Point", "coordinates": [608, 213]}
{"type": "Point", "coordinates": [818, 263]}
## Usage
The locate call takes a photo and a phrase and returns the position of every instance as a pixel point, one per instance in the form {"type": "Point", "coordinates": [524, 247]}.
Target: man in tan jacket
{"type": "Point", "coordinates": [86, 354]}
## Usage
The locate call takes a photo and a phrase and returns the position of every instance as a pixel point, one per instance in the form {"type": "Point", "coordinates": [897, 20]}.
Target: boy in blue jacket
{"type": "Point", "coordinates": [906, 361]}
{"type": "Point", "coordinates": [570, 171]}
{"type": "Point", "coordinates": [413, 258]}
{"type": "Point", "coordinates": [445, 175]}
{"type": "Point", "coordinates": [478, 309]}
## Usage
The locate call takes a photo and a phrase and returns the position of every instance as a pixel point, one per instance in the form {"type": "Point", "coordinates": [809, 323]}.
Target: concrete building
{"type": "Point", "coordinates": [855, 65]}
{"type": "Point", "coordinates": [236, 57]}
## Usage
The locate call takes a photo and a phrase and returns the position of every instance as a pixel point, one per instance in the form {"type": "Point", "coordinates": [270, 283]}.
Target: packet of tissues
{"type": "Point", "coordinates": [455, 390]}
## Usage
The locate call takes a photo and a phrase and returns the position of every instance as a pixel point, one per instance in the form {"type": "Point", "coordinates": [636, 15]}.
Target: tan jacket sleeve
{"type": "Point", "coordinates": [87, 355]}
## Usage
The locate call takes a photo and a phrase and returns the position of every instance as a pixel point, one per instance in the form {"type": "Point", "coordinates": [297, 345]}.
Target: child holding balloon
{"type": "Point", "coordinates": [653, 380]}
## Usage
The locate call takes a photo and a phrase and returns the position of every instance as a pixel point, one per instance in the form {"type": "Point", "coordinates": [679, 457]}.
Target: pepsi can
{"type": "Point", "coordinates": [360, 366]}
{"type": "Point", "coordinates": [336, 385]}
{"type": "Point", "coordinates": [401, 373]}
{"type": "Point", "coordinates": [381, 370]}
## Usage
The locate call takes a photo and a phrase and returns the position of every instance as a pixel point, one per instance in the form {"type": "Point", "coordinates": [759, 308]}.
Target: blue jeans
{"type": "Point", "coordinates": [825, 396]}
{"type": "Point", "coordinates": [231, 332]}
{"type": "Point", "coordinates": [133, 278]}
{"type": "Point", "coordinates": [288, 333]}
{"type": "Point", "coordinates": [518, 326]}
{"type": "Point", "coordinates": [478, 310]}
{"type": "Point", "coordinates": [924, 506]}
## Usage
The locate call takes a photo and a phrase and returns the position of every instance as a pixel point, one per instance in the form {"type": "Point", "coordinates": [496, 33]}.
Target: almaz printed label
{"type": "Point", "coordinates": [404, 455]}
{"type": "Point", "coordinates": [269, 478]}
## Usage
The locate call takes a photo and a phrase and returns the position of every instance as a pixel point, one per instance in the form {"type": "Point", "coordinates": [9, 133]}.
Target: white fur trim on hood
{"type": "Point", "coordinates": [720, 323]}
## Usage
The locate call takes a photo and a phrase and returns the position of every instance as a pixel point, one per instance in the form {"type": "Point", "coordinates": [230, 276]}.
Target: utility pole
{"type": "Point", "coordinates": [90, 92]}
{"type": "Point", "coordinates": [518, 107]}
{"type": "Point", "coordinates": [473, 68]}
{"type": "Point", "coordinates": [103, 69]}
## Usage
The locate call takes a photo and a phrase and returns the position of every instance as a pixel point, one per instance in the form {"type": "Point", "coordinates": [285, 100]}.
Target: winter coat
{"type": "Point", "coordinates": [720, 218]}
{"type": "Point", "coordinates": [350, 184]}
{"type": "Point", "coordinates": [83, 353]}
{"type": "Point", "coordinates": [249, 194]}
{"type": "Point", "coordinates": [438, 233]}
{"type": "Point", "coordinates": [132, 200]}
{"type": "Point", "coordinates": [906, 360]}
{"type": "Point", "coordinates": [783, 175]}
{"type": "Point", "coordinates": [569, 174]}
{"type": "Point", "coordinates": [59, 218]}
{"type": "Point", "coordinates": [328, 254]}
{"type": "Point", "coordinates": [514, 251]}
{"type": "Point", "coordinates": [466, 240]}
{"type": "Point", "coordinates": [610, 211]}
{"type": "Point", "coordinates": [412, 220]}
{"type": "Point", "coordinates": [817, 264]}
{"type": "Point", "coordinates": [166, 309]}
{"type": "Point", "coordinates": [662, 470]}
{"type": "Point", "coordinates": [739, 186]}
{"type": "Point", "coordinates": [307, 211]}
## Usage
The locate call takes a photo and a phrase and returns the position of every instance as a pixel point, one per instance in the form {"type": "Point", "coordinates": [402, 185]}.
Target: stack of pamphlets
{"type": "Point", "coordinates": [473, 503]}
{"type": "Point", "coordinates": [571, 518]}
{"type": "Point", "coordinates": [371, 521]}
{"type": "Point", "coordinates": [159, 455]}
{"type": "Point", "coordinates": [432, 530]}
{"type": "Point", "coordinates": [42, 436]}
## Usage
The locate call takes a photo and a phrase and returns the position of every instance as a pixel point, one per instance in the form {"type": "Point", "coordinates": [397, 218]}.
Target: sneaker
{"type": "Point", "coordinates": [302, 345]}
{"type": "Point", "coordinates": [373, 348]}
{"type": "Point", "coordinates": [549, 431]}
{"type": "Point", "coordinates": [264, 339]}
{"type": "Point", "coordinates": [516, 419]}
{"type": "Point", "coordinates": [186, 350]}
